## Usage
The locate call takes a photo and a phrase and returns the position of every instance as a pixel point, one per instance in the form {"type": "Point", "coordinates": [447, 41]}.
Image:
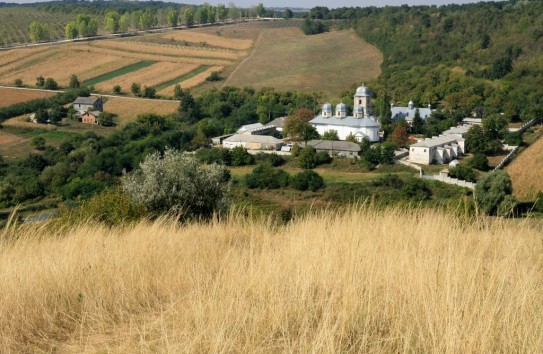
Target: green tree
{"type": "Point", "coordinates": [266, 177]}
{"type": "Point", "coordinates": [135, 89]}
{"type": "Point", "coordinates": [387, 153]}
{"type": "Point", "coordinates": [260, 10]}
{"type": "Point", "coordinates": [149, 92]}
{"type": "Point", "coordinates": [70, 31]}
{"type": "Point", "coordinates": [124, 22]}
{"type": "Point", "coordinates": [86, 25]}
{"type": "Point", "coordinates": [476, 140]}
{"type": "Point", "coordinates": [106, 119]}
{"type": "Point", "coordinates": [202, 14]}
{"type": "Point", "coordinates": [307, 180]}
{"type": "Point", "coordinates": [40, 81]}
{"type": "Point", "coordinates": [240, 157]}
{"type": "Point", "coordinates": [287, 13]}
{"type": "Point", "coordinates": [188, 17]}
{"type": "Point", "coordinates": [330, 135]}
{"type": "Point", "coordinates": [74, 82]}
{"type": "Point", "coordinates": [491, 191]}
{"type": "Point", "coordinates": [173, 18]}
{"type": "Point", "coordinates": [417, 125]}
{"type": "Point", "coordinates": [38, 31]}
{"type": "Point", "coordinates": [174, 182]}
{"type": "Point", "coordinates": [41, 116]}
{"type": "Point", "coordinates": [297, 125]}
{"type": "Point", "coordinates": [463, 172]}
{"type": "Point", "coordinates": [147, 20]}
{"type": "Point", "coordinates": [39, 142]}
{"type": "Point", "coordinates": [18, 82]}
{"type": "Point", "coordinates": [50, 84]}
{"type": "Point", "coordinates": [495, 126]}
{"type": "Point", "coordinates": [307, 158]}
{"type": "Point", "coordinates": [222, 12]}
{"type": "Point", "coordinates": [117, 89]}
{"type": "Point", "coordinates": [480, 162]}
{"type": "Point", "coordinates": [111, 21]}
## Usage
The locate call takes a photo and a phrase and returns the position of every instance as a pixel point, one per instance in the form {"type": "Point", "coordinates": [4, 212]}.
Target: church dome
{"type": "Point", "coordinates": [327, 107]}
{"type": "Point", "coordinates": [363, 91]}
{"type": "Point", "coordinates": [341, 107]}
{"type": "Point", "coordinates": [359, 109]}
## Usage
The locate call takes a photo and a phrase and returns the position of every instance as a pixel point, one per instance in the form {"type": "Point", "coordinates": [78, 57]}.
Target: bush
{"type": "Point", "coordinates": [240, 157]}
{"type": "Point", "coordinates": [266, 177]}
{"type": "Point", "coordinates": [307, 180]}
{"type": "Point", "coordinates": [82, 188]}
{"type": "Point", "coordinates": [480, 162]}
{"type": "Point", "coordinates": [491, 191]}
{"type": "Point", "coordinates": [215, 76]}
{"type": "Point", "coordinates": [415, 189]}
{"type": "Point", "coordinates": [388, 180]}
{"type": "Point", "coordinates": [50, 84]}
{"type": "Point", "coordinates": [112, 207]}
{"type": "Point", "coordinates": [272, 159]}
{"type": "Point", "coordinates": [117, 89]}
{"type": "Point", "coordinates": [507, 206]}
{"type": "Point", "coordinates": [149, 92]}
{"type": "Point", "coordinates": [214, 155]}
{"type": "Point", "coordinates": [322, 158]}
{"type": "Point", "coordinates": [307, 158]}
{"type": "Point", "coordinates": [310, 27]}
{"type": "Point", "coordinates": [513, 139]}
{"type": "Point", "coordinates": [175, 182]}
{"type": "Point", "coordinates": [18, 82]}
{"type": "Point", "coordinates": [463, 172]}
{"type": "Point", "coordinates": [39, 142]}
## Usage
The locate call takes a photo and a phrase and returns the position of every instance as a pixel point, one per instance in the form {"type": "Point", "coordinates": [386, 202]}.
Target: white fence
{"type": "Point", "coordinates": [450, 180]}
{"type": "Point", "coordinates": [507, 158]}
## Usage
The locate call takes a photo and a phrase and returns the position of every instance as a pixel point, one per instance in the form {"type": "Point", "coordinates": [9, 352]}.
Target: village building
{"type": "Point", "coordinates": [360, 125]}
{"type": "Point", "coordinates": [437, 150]}
{"type": "Point", "coordinates": [472, 121]}
{"type": "Point", "coordinates": [84, 104]}
{"type": "Point", "coordinates": [90, 117]}
{"type": "Point", "coordinates": [252, 142]}
{"type": "Point", "coordinates": [408, 113]}
{"type": "Point", "coordinates": [335, 148]}
{"type": "Point", "coordinates": [459, 131]}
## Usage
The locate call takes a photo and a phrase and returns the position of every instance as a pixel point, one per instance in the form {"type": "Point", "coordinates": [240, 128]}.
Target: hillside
{"type": "Point", "coordinates": [526, 172]}
{"type": "Point", "coordinates": [287, 59]}
{"type": "Point", "coordinates": [360, 281]}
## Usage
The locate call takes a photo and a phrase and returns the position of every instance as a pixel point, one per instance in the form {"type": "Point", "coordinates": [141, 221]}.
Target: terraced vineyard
{"type": "Point", "coordinates": [14, 22]}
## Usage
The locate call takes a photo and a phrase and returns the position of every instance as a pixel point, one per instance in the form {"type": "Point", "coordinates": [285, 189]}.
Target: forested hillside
{"type": "Point", "coordinates": [484, 57]}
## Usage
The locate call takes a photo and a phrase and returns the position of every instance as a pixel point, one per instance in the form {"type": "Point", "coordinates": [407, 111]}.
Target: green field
{"type": "Point", "coordinates": [113, 74]}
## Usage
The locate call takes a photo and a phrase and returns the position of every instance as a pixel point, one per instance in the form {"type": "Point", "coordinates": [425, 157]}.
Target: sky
{"type": "Point", "coordinates": [307, 3]}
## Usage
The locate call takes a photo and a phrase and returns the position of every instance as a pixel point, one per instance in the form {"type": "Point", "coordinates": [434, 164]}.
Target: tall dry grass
{"type": "Point", "coordinates": [361, 281]}
{"type": "Point", "coordinates": [526, 172]}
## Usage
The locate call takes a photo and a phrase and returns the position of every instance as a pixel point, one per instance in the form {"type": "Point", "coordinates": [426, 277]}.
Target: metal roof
{"type": "Point", "coordinates": [437, 141]}
{"type": "Point", "coordinates": [333, 145]}
{"type": "Point", "coordinates": [249, 127]}
{"type": "Point", "coordinates": [277, 122]}
{"type": "Point", "coordinates": [363, 91]}
{"type": "Point", "coordinates": [347, 121]}
{"type": "Point", "coordinates": [86, 100]}
{"type": "Point", "coordinates": [463, 129]}
{"type": "Point", "coordinates": [408, 114]}
{"type": "Point", "coordinates": [246, 138]}
{"type": "Point", "coordinates": [341, 107]}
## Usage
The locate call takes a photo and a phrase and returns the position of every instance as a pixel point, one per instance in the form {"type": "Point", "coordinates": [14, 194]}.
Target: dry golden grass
{"type": "Point", "coordinates": [62, 66]}
{"type": "Point", "coordinates": [287, 59]}
{"type": "Point", "coordinates": [192, 82]}
{"type": "Point", "coordinates": [151, 76]}
{"type": "Point", "coordinates": [526, 172]}
{"type": "Point", "coordinates": [22, 121]}
{"type": "Point", "coordinates": [10, 96]}
{"type": "Point", "coordinates": [215, 40]}
{"type": "Point", "coordinates": [165, 49]}
{"type": "Point", "coordinates": [129, 108]}
{"type": "Point", "coordinates": [362, 281]}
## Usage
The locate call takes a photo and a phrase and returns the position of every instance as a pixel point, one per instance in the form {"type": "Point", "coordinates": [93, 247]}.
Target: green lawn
{"type": "Point", "coordinates": [122, 71]}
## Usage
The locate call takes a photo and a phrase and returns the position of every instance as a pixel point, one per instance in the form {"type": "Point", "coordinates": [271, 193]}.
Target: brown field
{"type": "Point", "coordinates": [22, 122]}
{"type": "Point", "coordinates": [192, 82]}
{"type": "Point", "coordinates": [7, 139]}
{"type": "Point", "coordinates": [526, 172]}
{"type": "Point", "coordinates": [329, 63]}
{"type": "Point", "coordinates": [128, 108]}
{"type": "Point", "coordinates": [10, 96]}
{"type": "Point", "coordinates": [150, 76]}
{"type": "Point", "coordinates": [362, 281]}
{"type": "Point", "coordinates": [168, 50]}
{"type": "Point", "coordinates": [211, 39]}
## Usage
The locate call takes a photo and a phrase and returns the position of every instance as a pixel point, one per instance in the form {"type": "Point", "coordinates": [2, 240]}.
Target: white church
{"type": "Point", "coordinates": [360, 125]}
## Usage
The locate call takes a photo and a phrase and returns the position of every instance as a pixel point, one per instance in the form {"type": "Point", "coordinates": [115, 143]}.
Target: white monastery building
{"type": "Point", "coordinates": [361, 124]}
{"type": "Point", "coordinates": [438, 149]}
{"type": "Point", "coordinates": [408, 113]}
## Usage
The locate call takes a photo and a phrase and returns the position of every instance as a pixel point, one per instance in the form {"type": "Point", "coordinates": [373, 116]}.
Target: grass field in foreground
{"type": "Point", "coordinates": [287, 59]}
{"type": "Point", "coordinates": [526, 171]}
{"type": "Point", "coordinates": [380, 281]}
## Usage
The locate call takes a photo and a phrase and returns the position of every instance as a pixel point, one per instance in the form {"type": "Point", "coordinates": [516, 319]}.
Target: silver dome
{"type": "Point", "coordinates": [327, 107]}
{"type": "Point", "coordinates": [341, 107]}
{"type": "Point", "coordinates": [363, 91]}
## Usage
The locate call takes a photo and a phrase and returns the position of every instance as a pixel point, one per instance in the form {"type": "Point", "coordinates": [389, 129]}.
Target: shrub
{"type": "Point", "coordinates": [214, 155]}
{"type": "Point", "coordinates": [18, 82]}
{"type": "Point", "coordinates": [307, 158]}
{"type": "Point", "coordinates": [307, 180]}
{"type": "Point", "coordinates": [38, 142]}
{"type": "Point", "coordinates": [514, 139]}
{"type": "Point", "coordinates": [272, 159]}
{"type": "Point", "coordinates": [149, 92]}
{"type": "Point", "coordinates": [50, 84]}
{"type": "Point", "coordinates": [295, 151]}
{"type": "Point", "coordinates": [266, 177]}
{"type": "Point", "coordinates": [117, 89]}
{"type": "Point", "coordinates": [82, 188]}
{"type": "Point", "coordinates": [491, 191]}
{"type": "Point", "coordinates": [415, 189]}
{"type": "Point", "coordinates": [480, 162]}
{"type": "Point", "coordinates": [240, 157]}
{"type": "Point", "coordinates": [463, 172]}
{"type": "Point", "coordinates": [322, 157]}
{"type": "Point", "coordinates": [215, 76]}
{"type": "Point", "coordinates": [112, 207]}
{"type": "Point", "coordinates": [388, 180]}
{"type": "Point", "coordinates": [175, 182]}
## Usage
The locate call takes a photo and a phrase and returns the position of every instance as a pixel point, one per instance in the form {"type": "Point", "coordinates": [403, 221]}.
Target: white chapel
{"type": "Point", "coordinates": [360, 125]}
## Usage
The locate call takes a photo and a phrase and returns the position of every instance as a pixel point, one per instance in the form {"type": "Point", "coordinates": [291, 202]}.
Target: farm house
{"type": "Point", "coordinates": [253, 142]}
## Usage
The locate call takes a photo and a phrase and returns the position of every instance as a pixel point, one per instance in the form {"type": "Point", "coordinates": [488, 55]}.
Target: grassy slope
{"type": "Point", "coordinates": [526, 170]}
{"type": "Point", "coordinates": [329, 63]}
{"type": "Point", "coordinates": [359, 281]}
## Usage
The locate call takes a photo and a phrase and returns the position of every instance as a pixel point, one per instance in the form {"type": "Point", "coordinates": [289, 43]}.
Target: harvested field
{"type": "Point", "coordinates": [150, 76]}
{"type": "Point", "coordinates": [9, 96]}
{"type": "Point", "coordinates": [287, 59]}
{"type": "Point", "coordinates": [8, 139]}
{"type": "Point", "coordinates": [197, 38]}
{"type": "Point", "coordinates": [191, 79]}
{"type": "Point", "coordinates": [129, 108]}
{"type": "Point", "coordinates": [526, 172]}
